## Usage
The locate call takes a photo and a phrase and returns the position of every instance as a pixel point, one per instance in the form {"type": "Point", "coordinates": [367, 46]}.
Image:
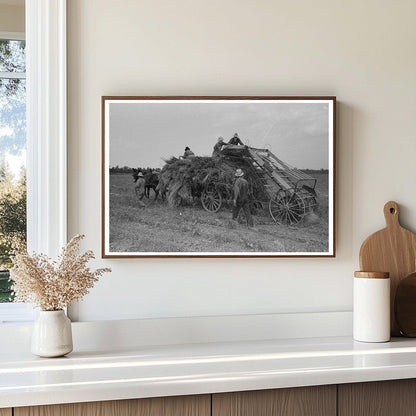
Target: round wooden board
{"type": "Point", "coordinates": [405, 306]}
{"type": "Point", "coordinates": [393, 250]}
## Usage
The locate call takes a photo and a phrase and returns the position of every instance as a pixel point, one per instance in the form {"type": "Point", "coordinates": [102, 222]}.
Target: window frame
{"type": "Point", "coordinates": [46, 125]}
{"type": "Point", "coordinates": [46, 138]}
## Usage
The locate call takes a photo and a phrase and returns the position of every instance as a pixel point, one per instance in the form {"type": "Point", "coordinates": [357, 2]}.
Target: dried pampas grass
{"type": "Point", "coordinates": [53, 285]}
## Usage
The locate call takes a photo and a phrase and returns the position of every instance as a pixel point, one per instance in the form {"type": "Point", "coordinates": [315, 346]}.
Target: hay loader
{"type": "Point", "coordinates": [289, 193]}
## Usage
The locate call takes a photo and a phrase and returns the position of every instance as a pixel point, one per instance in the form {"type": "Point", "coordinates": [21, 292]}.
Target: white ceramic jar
{"type": "Point", "coordinates": [371, 309]}
{"type": "Point", "coordinates": [52, 334]}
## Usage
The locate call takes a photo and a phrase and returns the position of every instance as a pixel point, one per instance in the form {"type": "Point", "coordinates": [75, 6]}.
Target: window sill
{"type": "Point", "coordinates": [16, 313]}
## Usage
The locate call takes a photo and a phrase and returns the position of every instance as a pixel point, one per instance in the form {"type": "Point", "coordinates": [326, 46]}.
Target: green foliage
{"type": "Point", "coordinates": [12, 213]}
{"type": "Point", "coordinates": [12, 143]}
{"type": "Point", "coordinates": [12, 55]}
{"type": "Point", "coordinates": [6, 294]}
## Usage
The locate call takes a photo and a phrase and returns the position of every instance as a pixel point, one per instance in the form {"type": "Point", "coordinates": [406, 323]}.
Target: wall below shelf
{"type": "Point", "coordinates": [200, 329]}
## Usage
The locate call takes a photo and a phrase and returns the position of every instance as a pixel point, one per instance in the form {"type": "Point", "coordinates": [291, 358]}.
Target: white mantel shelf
{"type": "Point", "coordinates": [151, 371]}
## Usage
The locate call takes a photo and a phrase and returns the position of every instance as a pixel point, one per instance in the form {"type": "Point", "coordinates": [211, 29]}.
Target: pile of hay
{"type": "Point", "coordinates": [184, 179]}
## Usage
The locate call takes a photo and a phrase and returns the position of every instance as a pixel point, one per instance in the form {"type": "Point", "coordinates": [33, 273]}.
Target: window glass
{"type": "Point", "coordinates": [12, 155]}
{"type": "Point", "coordinates": [12, 56]}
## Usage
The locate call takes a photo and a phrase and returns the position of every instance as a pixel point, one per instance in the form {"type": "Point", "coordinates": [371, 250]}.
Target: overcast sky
{"type": "Point", "coordinates": [143, 134]}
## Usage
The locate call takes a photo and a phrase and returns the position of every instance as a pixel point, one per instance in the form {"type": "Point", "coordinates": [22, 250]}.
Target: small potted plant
{"type": "Point", "coordinates": [52, 286]}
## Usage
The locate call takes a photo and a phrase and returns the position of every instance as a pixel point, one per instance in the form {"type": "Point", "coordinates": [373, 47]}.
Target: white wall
{"type": "Point", "coordinates": [12, 17]}
{"type": "Point", "coordinates": [361, 51]}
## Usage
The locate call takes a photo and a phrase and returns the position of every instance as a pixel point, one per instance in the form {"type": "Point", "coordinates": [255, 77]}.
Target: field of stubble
{"type": "Point", "coordinates": [159, 228]}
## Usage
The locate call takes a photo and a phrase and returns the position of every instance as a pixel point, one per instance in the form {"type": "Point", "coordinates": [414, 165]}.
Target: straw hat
{"type": "Point", "coordinates": [239, 172]}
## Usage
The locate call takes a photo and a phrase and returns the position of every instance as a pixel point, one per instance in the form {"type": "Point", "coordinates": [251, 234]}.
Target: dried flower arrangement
{"type": "Point", "coordinates": [53, 285]}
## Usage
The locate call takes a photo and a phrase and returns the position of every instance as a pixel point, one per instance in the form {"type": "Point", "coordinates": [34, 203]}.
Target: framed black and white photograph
{"type": "Point", "coordinates": [218, 176]}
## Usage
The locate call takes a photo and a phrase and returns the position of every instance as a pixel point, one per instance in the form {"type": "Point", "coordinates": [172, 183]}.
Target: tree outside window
{"type": "Point", "coordinates": [12, 155]}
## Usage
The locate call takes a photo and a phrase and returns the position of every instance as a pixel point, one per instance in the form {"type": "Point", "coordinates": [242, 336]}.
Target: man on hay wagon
{"type": "Point", "coordinates": [236, 141]}
{"type": "Point", "coordinates": [220, 145]}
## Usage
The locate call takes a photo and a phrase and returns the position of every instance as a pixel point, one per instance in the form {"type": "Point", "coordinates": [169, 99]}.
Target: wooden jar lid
{"type": "Point", "coordinates": [372, 275]}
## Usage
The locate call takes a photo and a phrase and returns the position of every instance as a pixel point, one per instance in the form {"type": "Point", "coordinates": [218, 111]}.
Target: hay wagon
{"type": "Point", "coordinates": [289, 193]}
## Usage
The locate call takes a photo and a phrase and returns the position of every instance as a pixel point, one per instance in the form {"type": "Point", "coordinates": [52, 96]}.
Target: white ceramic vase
{"type": "Point", "coordinates": [52, 334]}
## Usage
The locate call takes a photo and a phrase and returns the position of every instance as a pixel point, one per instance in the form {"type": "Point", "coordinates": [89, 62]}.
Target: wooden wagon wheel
{"type": "Point", "coordinates": [309, 199]}
{"type": "Point", "coordinates": [310, 203]}
{"type": "Point", "coordinates": [287, 208]}
{"type": "Point", "coordinates": [211, 199]}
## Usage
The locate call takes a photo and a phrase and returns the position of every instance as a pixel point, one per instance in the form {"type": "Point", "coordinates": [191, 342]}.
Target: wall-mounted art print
{"type": "Point", "coordinates": [218, 176]}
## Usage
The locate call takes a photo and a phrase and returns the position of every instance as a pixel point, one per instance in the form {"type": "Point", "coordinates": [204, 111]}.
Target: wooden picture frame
{"type": "Point", "coordinates": [166, 192]}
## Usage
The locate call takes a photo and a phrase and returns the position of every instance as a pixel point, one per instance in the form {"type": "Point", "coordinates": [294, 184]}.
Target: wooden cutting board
{"type": "Point", "coordinates": [393, 250]}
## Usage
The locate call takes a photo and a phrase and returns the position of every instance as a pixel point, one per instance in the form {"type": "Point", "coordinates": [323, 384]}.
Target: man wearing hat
{"type": "Point", "coordinates": [188, 153]}
{"type": "Point", "coordinates": [218, 146]}
{"type": "Point", "coordinates": [236, 140]}
{"type": "Point", "coordinates": [241, 197]}
{"type": "Point", "coordinates": [140, 188]}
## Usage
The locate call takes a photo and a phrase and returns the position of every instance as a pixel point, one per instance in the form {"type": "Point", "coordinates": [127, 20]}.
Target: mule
{"type": "Point", "coordinates": [151, 181]}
